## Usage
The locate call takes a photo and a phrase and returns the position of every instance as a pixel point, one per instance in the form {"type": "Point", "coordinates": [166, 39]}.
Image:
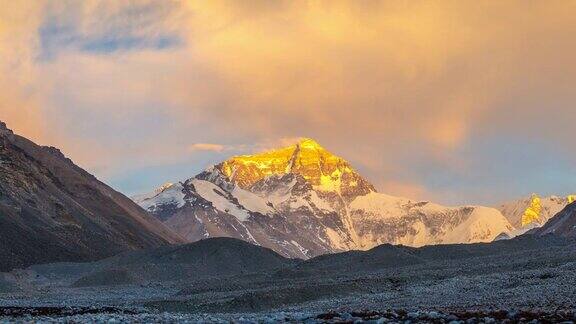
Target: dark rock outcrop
{"type": "Point", "coordinates": [562, 224]}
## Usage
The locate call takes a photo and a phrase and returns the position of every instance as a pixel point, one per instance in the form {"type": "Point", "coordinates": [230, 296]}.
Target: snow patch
{"type": "Point", "coordinates": [302, 250]}
{"type": "Point", "coordinates": [166, 195]}
{"type": "Point", "coordinates": [483, 225]}
{"type": "Point", "coordinates": [252, 201]}
{"type": "Point", "coordinates": [219, 200]}
{"type": "Point", "coordinates": [380, 205]}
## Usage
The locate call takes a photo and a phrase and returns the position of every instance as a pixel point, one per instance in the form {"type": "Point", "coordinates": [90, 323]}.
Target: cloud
{"type": "Point", "coordinates": [404, 189]}
{"type": "Point", "coordinates": [264, 145]}
{"type": "Point", "coordinates": [19, 102]}
{"type": "Point", "coordinates": [207, 147]}
{"type": "Point", "coordinates": [405, 90]}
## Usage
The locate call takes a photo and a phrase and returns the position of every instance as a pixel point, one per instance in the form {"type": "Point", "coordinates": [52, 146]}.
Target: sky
{"type": "Point", "coordinates": [459, 102]}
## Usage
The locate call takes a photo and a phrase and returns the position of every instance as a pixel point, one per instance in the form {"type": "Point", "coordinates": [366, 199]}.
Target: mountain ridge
{"type": "Point", "coordinates": [53, 210]}
{"type": "Point", "coordinates": [303, 201]}
{"type": "Point", "coordinates": [562, 224]}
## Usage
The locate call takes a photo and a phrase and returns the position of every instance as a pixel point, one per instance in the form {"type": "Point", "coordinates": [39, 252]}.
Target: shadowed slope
{"type": "Point", "coordinates": [562, 224]}
{"type": "Point", "coordinates": [52, 210]}
{"type": "Point", "coordinates": [210, 258]}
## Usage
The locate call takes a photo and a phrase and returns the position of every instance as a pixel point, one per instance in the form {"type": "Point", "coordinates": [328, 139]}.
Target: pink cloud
{"type": "Point", "coordinates": [207, 147]}
{"type": "Point", "coordinates": [377, 83]}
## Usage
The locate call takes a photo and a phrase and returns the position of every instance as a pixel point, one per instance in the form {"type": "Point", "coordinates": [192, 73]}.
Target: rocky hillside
{"type": "Point", "coordinates": [205, 259]}
{"type": "Point", "coordinates": [303, 201]}
{"type": "Point", "coordinates": [52, 210]}
{"type": "Point", "coordinates": [562, 224]}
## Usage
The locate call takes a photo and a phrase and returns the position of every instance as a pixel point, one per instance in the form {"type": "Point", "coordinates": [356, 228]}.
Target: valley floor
{"type": "Point", "coordinates": [95, 315]}
{"type": "Point", "coordinates": [511, 285]}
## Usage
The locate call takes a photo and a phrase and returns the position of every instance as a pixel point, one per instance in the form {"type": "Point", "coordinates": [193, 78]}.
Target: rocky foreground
{"type": "Point", "coordinates": [528, 279]}
{"type": "Point", "coordinates": [115, 315]}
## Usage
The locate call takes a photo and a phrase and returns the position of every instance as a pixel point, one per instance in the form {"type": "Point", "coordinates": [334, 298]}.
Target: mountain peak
{"type": "Point", "coordinates": [164, 187]}
{"type": "Point", "coordinates": [4, 129]}
{"type": "Point", "coordinates": [309, 144]}
{"type": "Point", "coordinates": [325, 171]}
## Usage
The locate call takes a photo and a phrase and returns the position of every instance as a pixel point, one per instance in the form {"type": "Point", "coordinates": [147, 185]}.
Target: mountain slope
{"type": "Point", "coordinates": [52, 210]}
{"type": "Point", "coordinates": [323, 170]}
{"type": "Point", "coordinates": [562, 224]}
{"type": "Point", "coordinates": [534, 209]}
{"type": "Point", "coordinates": [303, 201]}
{"type": "Point", "coordinates": [531, 212]}
{"type": "Point", "coordinates": [380, 219]}
{"type": "Point", "coordinates": [214, 257]}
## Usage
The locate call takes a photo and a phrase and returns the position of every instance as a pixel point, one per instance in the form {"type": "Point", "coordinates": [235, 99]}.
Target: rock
{"type": "Point", "coordinates": [512, 314]}
{"type": "Point", "coordinates": [4, 130]}
{"type": "Point", "coordinates": [346, 316]}
{"type": "Point", "coordinates": [452, 317]}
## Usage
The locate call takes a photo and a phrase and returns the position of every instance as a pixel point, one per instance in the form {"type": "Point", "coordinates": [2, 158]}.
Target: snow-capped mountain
{"type": "Point", "coordinates": [562, 224]}
{"type": "Point", "coordinates": [532, 212]}
{"type": "Point", "coordinates": [303, 201]}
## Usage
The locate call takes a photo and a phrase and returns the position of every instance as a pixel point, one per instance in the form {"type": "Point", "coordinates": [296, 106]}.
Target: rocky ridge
{"type": "Point", "coordinates": [303, 201]}
{"type": "Point", "coordinates": [52, 210]}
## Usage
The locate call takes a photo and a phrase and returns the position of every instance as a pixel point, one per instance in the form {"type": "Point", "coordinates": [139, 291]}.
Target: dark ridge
{"type": "Point", "coordinates": [562, 224]}
{"type": "Point", "coordinates": [214, 257]}
{"type": "Point", "coordinates": [397, 256]}
{"type": "Point", "coordinates": [52, 210]}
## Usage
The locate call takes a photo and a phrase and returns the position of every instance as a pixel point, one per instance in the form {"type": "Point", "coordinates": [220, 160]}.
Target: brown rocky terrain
{"type": "Point", "coordinates": [52, 210]}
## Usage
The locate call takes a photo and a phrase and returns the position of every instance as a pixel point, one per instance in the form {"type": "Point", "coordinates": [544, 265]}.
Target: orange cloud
{"type": "Point", "coordinates": [378, 82]}
{"type": "Point", "coordinates": [406, 189]}
{"type": "Point", "coordinates": [19, 102]}
{"type": "Point", "coordinates": [207, 147]}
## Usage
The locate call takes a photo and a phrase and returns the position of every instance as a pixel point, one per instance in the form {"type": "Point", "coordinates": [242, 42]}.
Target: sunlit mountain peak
{"type": "Point", "coordinates": [325, 171]}
{"type": "Point", "coordinates": [309, 143]}
{"type": "Point", "coordinates": [532, 213]}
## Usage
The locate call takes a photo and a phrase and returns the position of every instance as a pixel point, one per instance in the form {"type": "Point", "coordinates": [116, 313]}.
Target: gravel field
{"type": "Point", "coordinates": [520, 281]}
{"type": "Point", "coordinates": [390, 316]}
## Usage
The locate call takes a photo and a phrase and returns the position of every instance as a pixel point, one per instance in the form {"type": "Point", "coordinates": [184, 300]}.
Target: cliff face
{"type": "Point", "coordinates": [52, 210]}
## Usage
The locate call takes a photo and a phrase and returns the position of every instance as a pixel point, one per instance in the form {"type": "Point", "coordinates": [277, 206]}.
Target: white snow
{"type": "Point", "coordinates": [252, 201]}
{"type": "Point", "coordinates": [319, 202]}
{"type": "Point", "coordinates": [250, 236]}
{"type": "Point", "coordinates": [336, 240]}
{"type": "Point", "coordinates": [421, 238]}
{"type": "Point", "coordinates": [514, 210]}
{"type": "Point", "coordinates": [166, 194]}
{"type": "Point", "coordinates": [380, 205]}
{"type": "Point", "coordinates": [483, 225]}
{"type": "Point", "coordinates": [217, 197]}
{"type": "Point", "coordinates": [302, 249]}
{"type": "Point", "coordinates": [377, 217]}
{"type": "Point", "coordinates": [281, 194]}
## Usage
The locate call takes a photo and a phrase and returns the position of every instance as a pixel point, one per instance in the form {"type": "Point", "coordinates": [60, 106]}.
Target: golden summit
{"type": "Point", "coordinates": [322, 169]}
